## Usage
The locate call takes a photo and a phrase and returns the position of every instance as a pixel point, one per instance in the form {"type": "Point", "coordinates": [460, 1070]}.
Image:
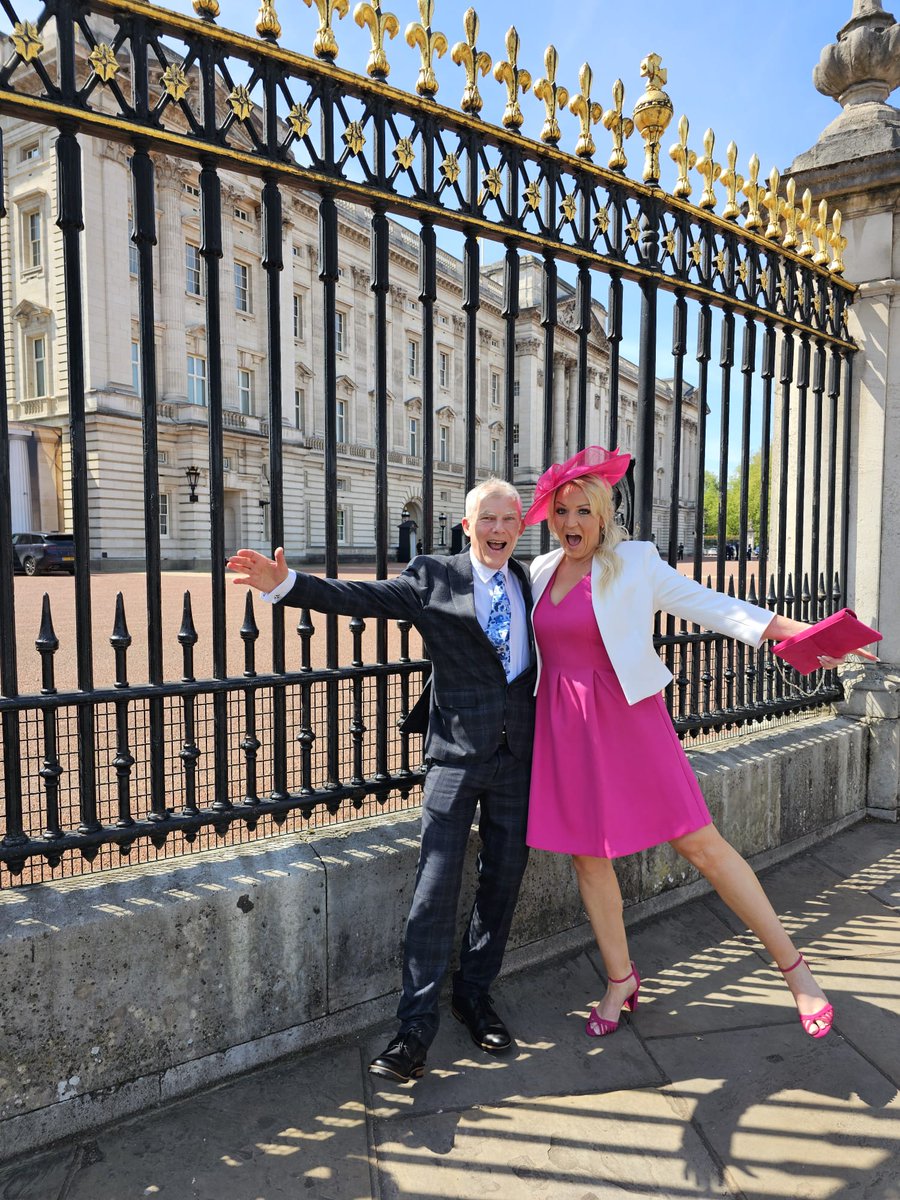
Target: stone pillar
{"type": "Point", "coordinates": [855, 166]}
{"type": "Point", "coordinates": [560, 407]}
{"type": "Point", "coordinates": [173, 359]}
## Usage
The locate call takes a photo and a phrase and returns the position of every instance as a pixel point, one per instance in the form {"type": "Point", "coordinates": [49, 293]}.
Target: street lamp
{"type": "Point", "coordinates": [404, 516]}
{"type": "Point", "coordinates": [442, 521]}
{"type": "Point", "coordinates": [193, 478]}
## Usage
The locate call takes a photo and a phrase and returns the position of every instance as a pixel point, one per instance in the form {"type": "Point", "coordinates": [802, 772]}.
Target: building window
{"type": "Point", "coordinates": [196, 379]}
{"type": "Point", "coordinates": [412, 359]}
{"type": "Point", "coordinates": [136, 367]}
{"type": "Point", "coordinates": [242, 287]}
{"type": "Point", "coordinates": [298, 315]}
{"type": "Point", "coordinates": [495, 455]}
{"type": "Point", "coordinates": [341, 420]}
{"type": "Point", "coordinates": [134, 259]}
{"type": "Point", "coordinates": [30, 152]}
{"type": "Point", "coordinates": [444, 443]}
{"type": "Point", "coordinates": [444, 369]}
{"type": "Point", "coordinates": [340, 340]}
{"type": "Point", "coordinates": [193, 270]}
{"type": "Point", "coordinates": [163, 514]}
{"type": "Point", "coordinates": [495, 389]}
{"type": "Point", "coordinates": [516, 387]}
{"type": "Point", "coordinates": [516, 433]}
{"type": "Point", "coordinates": [414, 436]}
{"type": "Point", "coordinates": [515, 460]}
{"type": "Point", "coordinates": [241, 214]}
{"type": "Point", "coordinates": [299, 405]}
{"type": "Point", "coordinates": [37, 367]}
{"type": "Point", "coordinates": [245, 391]}
{"type": "Point", "coordinates": [32, 241]}
{"type": "Point", "coordinates": [191, 189]}
{"type": "Point", "coordinates": [341, 526]}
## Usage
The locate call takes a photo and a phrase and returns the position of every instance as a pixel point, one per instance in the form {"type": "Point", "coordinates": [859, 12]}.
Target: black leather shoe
{"type": "Point", "coordinates": [487, 1030]}
{"type": "Point", "coordinates": [403, 1059]}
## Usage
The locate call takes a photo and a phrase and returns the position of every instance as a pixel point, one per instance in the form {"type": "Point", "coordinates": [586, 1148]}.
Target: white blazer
{"type": "Point", "coordinates": [625, 609]}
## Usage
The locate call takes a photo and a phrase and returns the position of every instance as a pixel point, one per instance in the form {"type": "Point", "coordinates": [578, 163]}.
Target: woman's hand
{"type": "Point", "coordinates": [257, 571]}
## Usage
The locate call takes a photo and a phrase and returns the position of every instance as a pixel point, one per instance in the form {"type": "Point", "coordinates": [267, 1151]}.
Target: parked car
{"type": "Point", "coordinates": [36, 552]}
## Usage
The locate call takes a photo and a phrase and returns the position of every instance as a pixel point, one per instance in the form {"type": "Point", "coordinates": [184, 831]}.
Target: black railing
{"type": "Point", "coordinates": [119, 764]}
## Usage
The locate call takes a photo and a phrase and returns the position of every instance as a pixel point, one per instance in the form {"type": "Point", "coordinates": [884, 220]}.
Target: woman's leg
{"type": "Point", "coordinates": [602, 900]}
{"type": "Point", "coordinates": [736, 884]}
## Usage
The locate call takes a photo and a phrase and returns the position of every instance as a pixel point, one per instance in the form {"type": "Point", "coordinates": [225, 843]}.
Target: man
{"type": "Point", "coordinates": [473, 612]}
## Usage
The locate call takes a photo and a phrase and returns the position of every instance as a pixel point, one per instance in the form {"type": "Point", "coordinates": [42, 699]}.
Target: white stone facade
{"type": "Point", "coordinates": [35, 328]}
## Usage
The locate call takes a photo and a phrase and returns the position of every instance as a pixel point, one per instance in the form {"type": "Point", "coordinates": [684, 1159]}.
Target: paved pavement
{"type": "Point", "coordinates": [713, 1090]}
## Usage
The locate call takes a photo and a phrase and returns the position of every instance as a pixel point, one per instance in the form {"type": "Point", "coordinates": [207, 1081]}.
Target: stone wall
{"type": "Point", "coordinates": [129, 988]}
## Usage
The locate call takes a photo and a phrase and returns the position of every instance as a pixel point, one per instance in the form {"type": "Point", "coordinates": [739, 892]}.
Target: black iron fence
{"type": "Point", "coordinates": [757, 307]}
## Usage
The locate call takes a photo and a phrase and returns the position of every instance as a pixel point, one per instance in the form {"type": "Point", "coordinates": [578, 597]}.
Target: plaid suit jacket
{"type": "Point", "coordinates": [470, 703]}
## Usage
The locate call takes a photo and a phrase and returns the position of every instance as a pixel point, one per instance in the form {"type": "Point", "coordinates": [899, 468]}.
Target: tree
{"type": "Point", "coordinates": [733, 501]}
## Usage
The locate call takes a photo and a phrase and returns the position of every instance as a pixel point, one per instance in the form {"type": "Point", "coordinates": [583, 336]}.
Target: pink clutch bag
{"type": "Point", "coordinates": [838, 634]}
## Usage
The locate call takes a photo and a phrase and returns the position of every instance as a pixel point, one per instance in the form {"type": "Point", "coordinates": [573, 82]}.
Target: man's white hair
{"type": "Point", "coordinates": [492, 484]}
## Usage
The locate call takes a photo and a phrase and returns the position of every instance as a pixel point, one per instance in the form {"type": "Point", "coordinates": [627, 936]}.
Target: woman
{"type": "Point", "coordinates": [618, 781]}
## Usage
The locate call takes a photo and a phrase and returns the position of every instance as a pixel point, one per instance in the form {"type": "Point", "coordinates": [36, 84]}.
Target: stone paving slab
{"type": "Point", "coordinates": [546, 1009]}
{"type": "Point", "coordinates": [598, 1147]}
{"type": "Point", "coordinates": [867, 860]}
{"type": "Point", "coordinates": [294, 1129]}
{"type": "Point", "coordinates": [787, 1115]}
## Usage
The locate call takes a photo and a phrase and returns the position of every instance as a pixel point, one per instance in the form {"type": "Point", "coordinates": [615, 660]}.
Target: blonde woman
{"type": "Point", "coordinates": [609, 776]}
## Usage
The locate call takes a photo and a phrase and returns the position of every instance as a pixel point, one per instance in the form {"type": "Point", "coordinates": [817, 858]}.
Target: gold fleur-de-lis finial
{"type": "Point", "coordinates": [553, 96]}
{"type": "Point", "coordinates": [820, 258]}
{"type": "Point", "coordinates": [103, 60]}
{"type": "Point", "coordinates": [772, 204]}
{"type": "Point", "coordinates": [267, 24]}
{"type": "Point", "coordinates": [620, 126]}
{"type": "Point", "coordinates": [838, 244]}
{"type": "Point", "coordinates": [325, 46]}
{"type": "Point", "coordinates": [791, 216]}
{"type": "Point", "coordinates": [516, 79]}
{"type": "Point", "coordinates": [430, 43]}
{"type": "Point", "coordinates": [207, 9]}
{"type": "Point", "coordinates": [466, 54]}
{"type": "Point", "coordinates": [708, 169]}
{"type": "Point", "coordinates": [684, 158]}
{"type": "Point", "coordinates": [26, 40]}
{"type": "Point", "coordinates": [806, 223]}
{"type": "Point", "coordinates": [652, 114]}
{"type": "Point", "coordinates": [755, 193]}
{"type": "Point", "coordinates": [380, 24]}
{"type": "Point", "coordinates": [588, 112]}
{"type": "Point", "coordinates": [733, 184]}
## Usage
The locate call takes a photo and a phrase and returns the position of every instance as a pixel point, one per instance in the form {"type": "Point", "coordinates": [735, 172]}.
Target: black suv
{"type": "Point", "coordinates": [34, 552]}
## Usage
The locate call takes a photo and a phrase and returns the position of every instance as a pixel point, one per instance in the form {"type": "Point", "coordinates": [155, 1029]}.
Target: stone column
{"type": "Point", "coordinates": [173, 359]}
{"type": "Point", "coordinates": [560, 406]}
{"type": "Point", "coordinates": [855, 166]}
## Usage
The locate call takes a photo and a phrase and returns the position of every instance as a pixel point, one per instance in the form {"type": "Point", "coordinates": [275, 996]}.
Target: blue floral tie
{"type": "Point", "coordinates": [500, 620]}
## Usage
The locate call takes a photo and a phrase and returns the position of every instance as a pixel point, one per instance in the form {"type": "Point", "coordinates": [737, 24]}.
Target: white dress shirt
{"type": "Point", "coordinates": [519, 650]}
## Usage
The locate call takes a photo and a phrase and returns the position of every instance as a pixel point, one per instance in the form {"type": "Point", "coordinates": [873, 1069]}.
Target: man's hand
{"type": "Point", "coordinates": [257, 571]}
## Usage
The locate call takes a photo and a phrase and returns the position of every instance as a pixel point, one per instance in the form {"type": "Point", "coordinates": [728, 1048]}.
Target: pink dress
{"type": "Point", "coordinates": [608, 778]}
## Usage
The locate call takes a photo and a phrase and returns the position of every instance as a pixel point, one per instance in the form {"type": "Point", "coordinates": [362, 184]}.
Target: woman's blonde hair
{"type": "Point", "coordinates": [600, 501]}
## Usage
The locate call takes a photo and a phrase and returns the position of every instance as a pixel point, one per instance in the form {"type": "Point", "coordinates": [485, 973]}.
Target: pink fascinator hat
{"type": "Point", "coordinates": [608, 465]}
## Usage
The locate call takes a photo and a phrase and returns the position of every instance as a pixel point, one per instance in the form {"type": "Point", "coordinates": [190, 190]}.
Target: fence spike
{"type": "Point", "coordinates": [187, 634]}
{"type": "Point", "coordinates": [755, 193]}
{"type": "Point", "coordinates": [553, 95]}
{"type": "Point", "coordinates": [708, 169]}
{"type": "Point", "coordinates": [325, 46]}
{"type": "Point", "coordinates": [466, 54]}
{"type": "Point", "coordinates": [684, 158]}
{"type": "Point", "coordinates": [772, 204]}
{"type": "Point", "coordinates": [121, 638]}
{"type": "Point", "coordinates": [207, 9]}
{"type": "Point", "coordinates": [516, 79]}
{"type": "Point", "coordinates": [46, 642]}
{"type": "Point", "coordinates": [620, 126]}
{"type": "Point", "coordinates": [430, 43]}
{"type": "Point", "coordinates": [380, 24]}
{"type": "Point", "coordinates": [588, 112]}
{"type": "Point", "coordinates": [267, 24]}
{"type": "Point", "coordinates": [733, 182]}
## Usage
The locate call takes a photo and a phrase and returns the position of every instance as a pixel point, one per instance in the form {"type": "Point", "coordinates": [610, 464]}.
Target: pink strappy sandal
{"type": "Point", "coordinates": [825, 1015]}
{"type": "Point", "coordinates": [598, 1026]}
